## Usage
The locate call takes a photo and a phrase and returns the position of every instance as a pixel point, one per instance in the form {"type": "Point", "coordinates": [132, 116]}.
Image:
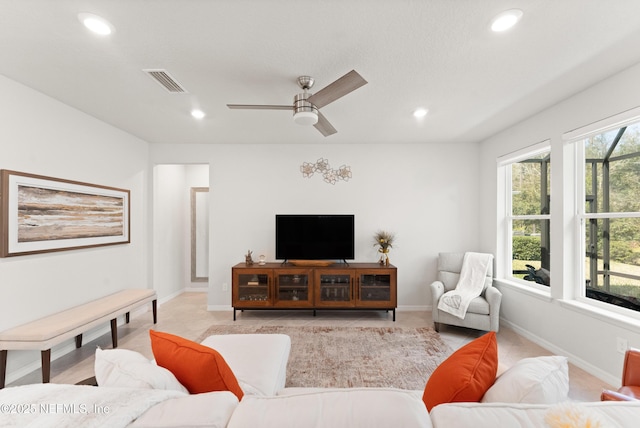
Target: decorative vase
{"type": "Point", "coordinates": [384, 258]}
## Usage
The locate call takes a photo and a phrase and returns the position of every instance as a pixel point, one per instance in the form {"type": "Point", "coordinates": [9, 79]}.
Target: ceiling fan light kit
{"type": "Point", "coordinates": [306, 105]}
{"type": "Point", "coordinates": [304, 113]}
{"type": "Point", "coordinates": [305, 118]}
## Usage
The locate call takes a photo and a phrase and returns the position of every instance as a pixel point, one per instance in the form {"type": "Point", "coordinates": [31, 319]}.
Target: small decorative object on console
{"type": "Point", "coordinates": [247, 259]}
{"type": "Point", "coordinates": [384, 240]}
{"type": "Point", "coordinates": [262, 260]}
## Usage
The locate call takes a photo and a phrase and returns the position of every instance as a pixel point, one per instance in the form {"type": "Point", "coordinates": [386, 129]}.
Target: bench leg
{"type": "Point", "coordinates": [79, 341]}
{"type": "Point", "coordinates": [3, 367]}
{"type": "Point", "coordinates": [46, 365]}
{"type": "Point", "coordinates": [154, 306]}
{"type": "Point", "coordinates": [114, 332]}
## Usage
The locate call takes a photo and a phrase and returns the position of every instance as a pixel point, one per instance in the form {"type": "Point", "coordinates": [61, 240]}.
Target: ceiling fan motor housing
{"type": "Point", "coordinates": [304, 113]}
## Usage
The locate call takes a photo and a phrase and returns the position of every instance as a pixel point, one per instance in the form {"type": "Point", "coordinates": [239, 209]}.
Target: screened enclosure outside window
{"type": "Point", "coordinates": [611, 218]}
{"type": "Point", "coordinates": [528, 216]}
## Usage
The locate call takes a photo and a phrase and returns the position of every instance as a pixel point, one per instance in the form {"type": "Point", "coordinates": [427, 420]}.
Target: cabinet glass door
{"type": "Point", "coordinates": [253, 289]}
{"type": "Point", "coordinates": [293, 288]}
{"type": "Point", "coordinates": [334, 289]}
{"type": "Point", "coordinates": [375, 288]}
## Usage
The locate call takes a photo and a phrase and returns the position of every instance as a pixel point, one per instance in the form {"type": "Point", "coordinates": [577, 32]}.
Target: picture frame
{"type": "Point", "coordinates": [44, 214]}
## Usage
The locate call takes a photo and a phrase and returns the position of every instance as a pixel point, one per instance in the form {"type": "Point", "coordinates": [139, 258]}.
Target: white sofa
{"type": "Point", "coordinates": [259, 363]}
{"type": "Point", "coordinates": [609, 414]}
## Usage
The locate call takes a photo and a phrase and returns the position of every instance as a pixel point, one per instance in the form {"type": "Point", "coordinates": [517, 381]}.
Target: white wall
{"type": "Point", "coordinates": [427, 194]}
{"type": "Point", "coordinates": [171, 226]}
{"type": "Point", "coordinates": [39, 135]}
{"type": "Point", "coordinates": [589, 341]}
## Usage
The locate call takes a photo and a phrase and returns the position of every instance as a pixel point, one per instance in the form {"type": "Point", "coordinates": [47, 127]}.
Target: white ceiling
{"type": "Point", "coordinates": [439, 54]}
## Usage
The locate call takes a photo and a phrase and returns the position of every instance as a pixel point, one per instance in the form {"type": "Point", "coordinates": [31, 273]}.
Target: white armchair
{"type": "Point", "coordinates": [483, 312]}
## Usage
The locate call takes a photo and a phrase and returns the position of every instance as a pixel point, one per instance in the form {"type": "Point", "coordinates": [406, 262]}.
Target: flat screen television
{"type": "Point", "coordinates": [315, 237]}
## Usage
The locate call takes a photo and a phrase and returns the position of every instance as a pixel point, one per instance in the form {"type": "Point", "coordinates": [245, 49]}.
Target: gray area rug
{"type": "Point", "coordinates": [342, 357]}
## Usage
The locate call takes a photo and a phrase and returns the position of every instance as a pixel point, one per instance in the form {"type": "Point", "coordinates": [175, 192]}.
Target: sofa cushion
{"type": "Point", "coordinates": [539, 380]}
{"type": "Point", "coordinates": [259, 361]}
{"type": "Point", "coordinates": [123, 368]}
{"type": "Point", "coordinates": [209, 409]}
{"type": "Point", "coordinates": [333, 408]}
{"type": "Point", "coordinates": [199, 368]}
{"type": "Point", "coordinates": [466, 375]}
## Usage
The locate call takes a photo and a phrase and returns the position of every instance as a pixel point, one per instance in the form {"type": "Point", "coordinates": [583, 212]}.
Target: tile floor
{"type": "Point", "coordinates": [187, 316]}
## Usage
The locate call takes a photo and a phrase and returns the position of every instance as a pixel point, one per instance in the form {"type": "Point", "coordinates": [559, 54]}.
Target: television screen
{"type": "Point", "coordinates": [315, 237]}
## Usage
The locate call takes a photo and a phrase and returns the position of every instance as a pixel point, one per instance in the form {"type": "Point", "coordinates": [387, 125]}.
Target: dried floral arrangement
{"type": "Point", "coordinates": [384, 241]}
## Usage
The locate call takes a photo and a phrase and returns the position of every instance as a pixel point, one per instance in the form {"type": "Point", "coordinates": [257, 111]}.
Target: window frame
{"type": "Point", "coordinates": [504, 262]}
{"type": "Point", "coordinates": [577, 138]}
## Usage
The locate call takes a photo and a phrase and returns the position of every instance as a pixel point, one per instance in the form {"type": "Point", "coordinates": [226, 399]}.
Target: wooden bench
{"type": "Point", "coordinates": [44, 333]}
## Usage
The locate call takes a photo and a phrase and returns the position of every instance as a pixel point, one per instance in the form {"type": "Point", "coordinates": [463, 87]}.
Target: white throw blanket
{"type": "Point", "coordinates": [55, 405]}
{"type": "Point", "coordinates": [470, 285]}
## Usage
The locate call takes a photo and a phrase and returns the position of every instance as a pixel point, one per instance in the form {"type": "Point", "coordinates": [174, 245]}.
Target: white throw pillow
{"type": "Point", "coordinates": [539, 380]}
{"type": "Point", "coordinates": [129, 369]}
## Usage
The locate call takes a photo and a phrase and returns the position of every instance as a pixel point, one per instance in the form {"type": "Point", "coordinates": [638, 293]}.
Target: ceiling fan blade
{"type": "Point", "coordinates": [339, 88]}
{"type": "Point", "coordinates": [259, 107]}
{"type": "Point", "coordinates": [324, 126]}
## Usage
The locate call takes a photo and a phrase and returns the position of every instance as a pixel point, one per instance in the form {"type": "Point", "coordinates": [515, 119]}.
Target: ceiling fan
{"type": "Point", "coordinates": [306, 105]}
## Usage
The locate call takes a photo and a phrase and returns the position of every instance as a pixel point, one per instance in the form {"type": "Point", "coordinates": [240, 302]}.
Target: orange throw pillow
{"type": "Point", "coordinates": [465, 375]}
{"type": "Point", "coordinates": [197, 367]}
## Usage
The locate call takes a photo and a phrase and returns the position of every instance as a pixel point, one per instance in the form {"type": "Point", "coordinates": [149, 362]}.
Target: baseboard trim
{"type": "Point", "coordinates": [219, 308]}
{"type": "Point", "coordinates": [171, 296]}
{"type": "Point", "coordinates": [573, 359]}
{"type": "Point", "coordinates": [416, 308]}
{"type": "Point", "coordinates": [196, 289]}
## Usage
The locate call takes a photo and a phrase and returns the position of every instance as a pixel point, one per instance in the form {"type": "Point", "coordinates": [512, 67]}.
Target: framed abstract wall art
{"type": "Point", "coordinates": [43, 214]}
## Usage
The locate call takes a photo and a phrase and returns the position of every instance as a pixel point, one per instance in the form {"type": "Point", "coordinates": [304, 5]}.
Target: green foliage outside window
{"type": "Point", "coordinates": [526, 248]}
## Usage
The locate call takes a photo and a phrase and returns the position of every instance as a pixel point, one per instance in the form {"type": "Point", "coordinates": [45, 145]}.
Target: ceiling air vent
{"type": "Point", "coordinates": [165, 79]}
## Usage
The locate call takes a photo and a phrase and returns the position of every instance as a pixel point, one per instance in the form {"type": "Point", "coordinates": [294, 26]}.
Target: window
{"type": "Point", "coordinates": [527, 217]}
{"type": "Point", "coordinates": [610, 217]}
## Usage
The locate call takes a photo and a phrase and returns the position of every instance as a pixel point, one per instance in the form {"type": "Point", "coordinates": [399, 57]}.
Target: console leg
{"type": "Point", "coordinates": [126, 317]}
{"type": "Point", "coordinates": [154, 306]}
{"type": "Point", "coordinates": [79, 340]}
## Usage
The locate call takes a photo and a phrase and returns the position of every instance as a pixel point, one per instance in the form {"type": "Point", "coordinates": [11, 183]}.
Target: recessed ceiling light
{"type": "Point", "coordinates": [198, 114]}
{"type": "Point", "coordinates": [420, 113]}
{"type": "Point", "coordinates": [96, 23]}
{"type": "Point", "coordinates": [506, 20]}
